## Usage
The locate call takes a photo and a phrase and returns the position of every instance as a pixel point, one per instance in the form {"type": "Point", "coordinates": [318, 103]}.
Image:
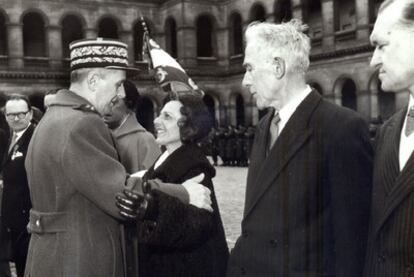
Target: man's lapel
{"type": "Point", "coordinates": [291, 139]}
{"type": "Point", "coordinates": [397, 184]}
{"type": "Point", "coordinates": [20, 141]}
{"type": "Point", "coordinates": [257, 156]}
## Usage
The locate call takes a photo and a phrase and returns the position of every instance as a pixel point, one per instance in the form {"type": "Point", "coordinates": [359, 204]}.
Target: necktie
{"type": "Point", "coordinates": [409, 125]}
{"type": "Point", "coordinates": [274, 129]}
{"type": "Point", "coordinates": [13, 141]}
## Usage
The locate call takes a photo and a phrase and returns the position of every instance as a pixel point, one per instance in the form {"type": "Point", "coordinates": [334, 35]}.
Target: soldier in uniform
{"type": "Point", "coordinates": [74, 177]}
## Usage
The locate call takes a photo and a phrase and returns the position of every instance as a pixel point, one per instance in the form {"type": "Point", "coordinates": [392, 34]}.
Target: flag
{"type": "Point", "coordinates": [168, 72]}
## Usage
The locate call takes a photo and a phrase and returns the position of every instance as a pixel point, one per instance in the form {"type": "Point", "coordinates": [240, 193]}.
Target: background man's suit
{"type": "Point", "coordinates": [307, 202]}
{"type": "Point", "coordinates": [16, 202]}
{"type": "Point", "coordinates": [391, 239]}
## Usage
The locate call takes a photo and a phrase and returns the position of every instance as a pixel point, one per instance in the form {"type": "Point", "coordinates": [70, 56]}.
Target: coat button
{"type": "Point", "coordinates": [273, 243]}
{"type": "Point", "coordinates": [245, 234]}
{"type": "Point", "coordinates": [243, 270]}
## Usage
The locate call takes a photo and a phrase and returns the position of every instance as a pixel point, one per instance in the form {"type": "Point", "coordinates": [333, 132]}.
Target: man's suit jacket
{"type": "Point", "coordinates": [307, 202]}
{"type": "Point", "coordinates": [4, 141]}
{"type": "Point", "coordinates": [16, 202]}
{"type": "Point", "coordinates": [391, 237]}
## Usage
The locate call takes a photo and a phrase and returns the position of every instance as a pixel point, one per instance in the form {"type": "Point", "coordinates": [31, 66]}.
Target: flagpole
{"type": "Point", "coordinates": [145, 42]}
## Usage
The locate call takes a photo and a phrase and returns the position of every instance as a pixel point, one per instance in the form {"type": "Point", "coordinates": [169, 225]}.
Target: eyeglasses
{"type": "Point", "coordinates": [20, 115]}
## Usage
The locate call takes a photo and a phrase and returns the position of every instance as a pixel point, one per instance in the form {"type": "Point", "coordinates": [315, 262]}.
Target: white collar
{"type": "Point", "coordinates": [20, 133]}
{"type": "Point", "coordinates": [286, 112]}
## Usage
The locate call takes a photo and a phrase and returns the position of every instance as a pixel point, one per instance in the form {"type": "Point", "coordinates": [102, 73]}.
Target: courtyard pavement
{"type": "Point", "coordinates": [230, 186]}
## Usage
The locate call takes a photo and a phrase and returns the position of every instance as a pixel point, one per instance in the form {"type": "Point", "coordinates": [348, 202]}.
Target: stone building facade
{"type": "Point", "coordinates": [206, 38]}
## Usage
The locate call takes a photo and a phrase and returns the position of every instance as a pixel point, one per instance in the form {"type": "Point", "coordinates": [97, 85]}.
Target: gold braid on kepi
{"type": "Point", "coordinates": [99, 52]}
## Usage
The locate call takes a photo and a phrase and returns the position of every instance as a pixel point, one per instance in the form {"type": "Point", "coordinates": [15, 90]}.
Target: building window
{"type": "Point", "coordinates": [257, 13]}
{"type": "Point", "coordinates": [204, 37]}
{"type": "Point", "coordinates": [348, 93]}
{"type": "Point", "coordinates": [283, 11]}
{"type": "Point", "coordinates": [209, 102]}
{"type": "Point", "coordinates": [240, 110]}
{"type": "Point", "coordinates": [71, 30]}
{"type": "Point", "coordinates": [236, 33]}
{"type": "Point", "coordinates": [3, 36]}
{"type": "Point", "coordinates": [314, 19]}
{"type": "Point", "coordinates": [34, 44]}
{"type": "Point", "coordinates": [344, 15]}
{"type": "Point", "coordinates": [108, 28]}
{"type": "Point", "coordinates": [171, 37]}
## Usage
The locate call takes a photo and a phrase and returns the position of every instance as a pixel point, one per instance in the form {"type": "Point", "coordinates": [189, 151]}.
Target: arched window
{"type": "Point", "coordinates": [236, 33]}
{"type": "Point", "coordinates": [314, 18]}
{"type": "Point", "coordinates": [71, 30]}
{"type": "Point", "coordinates": [240, 110]}
{"type": "Point", "coordinates": [344, 15]}
{"type": "Point", "coordinates": [34, 39]}
{"type": "Point", "coordinates": [138, 38]}
{"type": "Point", "coordinates": [3, 35]}
{"type": "Point", "coordinates": [348, 93]}
{"type": "Point", "coordinates": [257, 13]}
{"type": "Point", "coordinates": [283, 11]}
{"type": "Point", "coordinates": [108, 28]}
{"type": "Point", "coordinates": [171, 37]}
{"type": "Point", "coordinates": [209, 101]}
{"type": "Point", "coordinates": [204, 37]}
{"type": "Point", "coordinates": [145, 113]}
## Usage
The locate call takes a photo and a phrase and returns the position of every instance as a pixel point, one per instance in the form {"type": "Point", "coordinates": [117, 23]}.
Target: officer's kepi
{"type": "Point", "coordinates": [99, 52]}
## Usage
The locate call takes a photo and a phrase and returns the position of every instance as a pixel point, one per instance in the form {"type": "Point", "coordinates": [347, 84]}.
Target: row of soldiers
{"type": "Point", "coordinates": [232, 144]}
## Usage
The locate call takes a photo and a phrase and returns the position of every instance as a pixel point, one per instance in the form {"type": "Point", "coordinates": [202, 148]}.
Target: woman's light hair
{"type": "Point", "coordinates": [287, 39]}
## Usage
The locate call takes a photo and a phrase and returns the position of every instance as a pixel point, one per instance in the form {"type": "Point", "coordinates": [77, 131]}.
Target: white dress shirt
{"type": "Point", "coordinates": [406, 143]}
{"type": "Point", "coordinates": [286, 112]}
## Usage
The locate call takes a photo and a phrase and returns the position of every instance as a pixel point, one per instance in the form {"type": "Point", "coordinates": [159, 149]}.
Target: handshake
{"type": "Point", "coordinates": [138, 202]}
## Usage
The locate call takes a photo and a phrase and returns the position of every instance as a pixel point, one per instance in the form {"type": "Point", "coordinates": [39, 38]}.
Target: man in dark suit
{"type": "Point", "coordinates": [391, 238]}
{"type": "Point", "coordinates": [16, 202]}
{"type": "Point", "coordinates": [309, 181]}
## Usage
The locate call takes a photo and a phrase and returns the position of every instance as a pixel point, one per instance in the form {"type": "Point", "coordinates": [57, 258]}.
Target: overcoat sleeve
{"type": "Point", "coordinates": [178, 225]}
{"type": "Point", "coordinates": [350, 176]}
{"type": "Point", "coordinates": [90, 162]}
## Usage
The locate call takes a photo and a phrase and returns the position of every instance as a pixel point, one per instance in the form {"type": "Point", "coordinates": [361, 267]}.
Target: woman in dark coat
{"type": "Point", "coordinates": [177, 239]}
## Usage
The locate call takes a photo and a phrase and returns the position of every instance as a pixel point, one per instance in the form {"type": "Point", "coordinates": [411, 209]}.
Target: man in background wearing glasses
{"type": "Point", "coordinates": [16, 204]}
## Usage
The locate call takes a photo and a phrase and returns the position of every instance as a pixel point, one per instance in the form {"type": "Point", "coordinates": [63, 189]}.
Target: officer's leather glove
{"type": "Point", "coordinates": [137, 203]}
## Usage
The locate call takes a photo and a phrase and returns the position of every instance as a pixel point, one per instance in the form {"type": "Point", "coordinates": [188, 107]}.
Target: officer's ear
{"type": "Point", "coordinates": [93, 79]}
{"type": "Point", "coordinates": [279, 67]}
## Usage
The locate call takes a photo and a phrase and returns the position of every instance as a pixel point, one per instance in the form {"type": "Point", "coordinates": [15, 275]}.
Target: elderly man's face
{"type": "Point", "coordinates": [260, 78]}
{"type": "Point", "coordinates": [394, 50]}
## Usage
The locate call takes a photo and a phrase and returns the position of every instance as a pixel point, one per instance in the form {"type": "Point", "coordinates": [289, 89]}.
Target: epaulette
{"type": "Point", "coordinates": [86, 108]}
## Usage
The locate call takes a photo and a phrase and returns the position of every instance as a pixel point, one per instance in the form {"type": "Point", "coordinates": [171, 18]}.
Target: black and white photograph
{"type": "Point", "coordinates": [206, 138]}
